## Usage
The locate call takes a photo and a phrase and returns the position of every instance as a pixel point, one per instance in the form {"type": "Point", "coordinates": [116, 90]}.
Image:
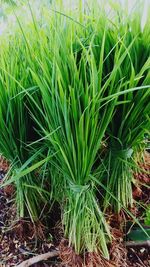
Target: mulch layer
{"type": "Point", "coordinates": [21, 239]}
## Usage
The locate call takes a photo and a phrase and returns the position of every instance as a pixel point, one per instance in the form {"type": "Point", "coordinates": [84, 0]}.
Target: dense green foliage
{"type": "Point", "coordinates": [74, 99]}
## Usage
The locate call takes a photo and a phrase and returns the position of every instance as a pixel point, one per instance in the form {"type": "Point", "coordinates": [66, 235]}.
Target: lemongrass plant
{"type": "Point", "coordinates": [16, 126]}
{"type": "Point", "coordinates": [71, 112]}
{"type": "Point", "coordinates": [79, 93]}
{"type": "Point", "coordinates": [130, 122]}
{"type": "Point", "coordinates": [75, 71]}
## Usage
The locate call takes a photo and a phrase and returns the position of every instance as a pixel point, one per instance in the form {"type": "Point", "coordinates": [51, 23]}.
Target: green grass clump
{"type": "Point", "coordinates": [75, 81]}
{"type": "Point", "coordinates": [130, 122]}
{"type": "Point", "coordinates": [16, 125]}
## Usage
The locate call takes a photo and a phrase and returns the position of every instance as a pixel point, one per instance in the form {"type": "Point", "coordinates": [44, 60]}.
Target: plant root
{"type": "Point", "coordinates": [94, 259]}
{"type": "Point", "coordinates": [90, 259]}
{"type": "Point", "coordinates": [118, 254]}
{"type": "Point", "coordinates": [68, 256]}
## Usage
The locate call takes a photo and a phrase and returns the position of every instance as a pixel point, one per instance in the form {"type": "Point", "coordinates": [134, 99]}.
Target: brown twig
{"type": "Point", "coordinates": [138, 244]}
{"type": "Point", "coordinates": [41, 257]}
